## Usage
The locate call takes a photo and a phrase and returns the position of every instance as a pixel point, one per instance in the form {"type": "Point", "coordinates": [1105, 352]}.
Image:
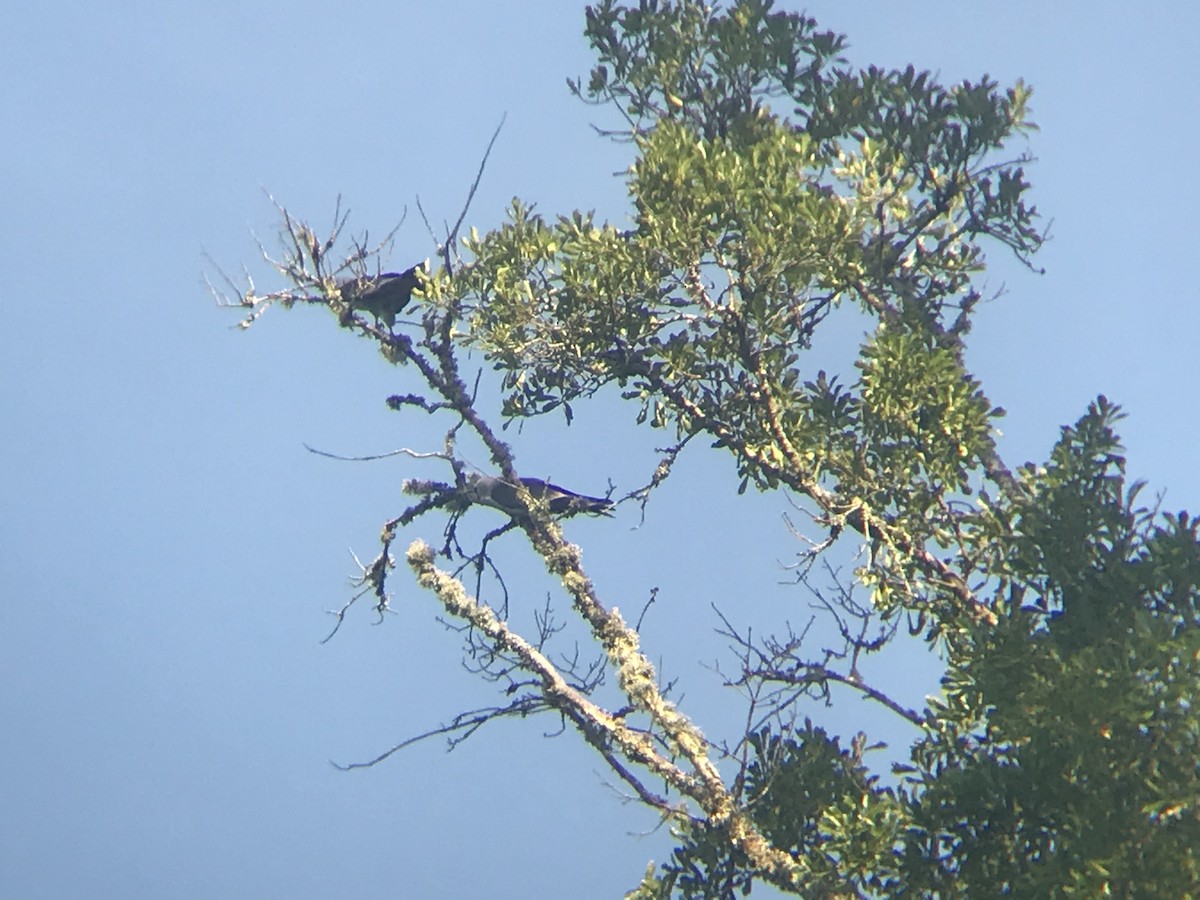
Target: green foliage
{"type": "Point", "coordinates": [710, 69]}
{"type": "Point", "coordinates": [926, 424]}
{"type": "Point", "coordinates": [812, 798]}
{"type": "Point", "coordinates": [1065, 755]}
{"type": "Point", "coordinates": [772, 188]}
{"type": "Point", "coordinates": [751, 228]}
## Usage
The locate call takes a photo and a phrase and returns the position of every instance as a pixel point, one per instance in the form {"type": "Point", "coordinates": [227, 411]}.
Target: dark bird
{"type": "Point", "coordinates": [383, 296]}
{"type": "Point", "coordinates": [499, 494]}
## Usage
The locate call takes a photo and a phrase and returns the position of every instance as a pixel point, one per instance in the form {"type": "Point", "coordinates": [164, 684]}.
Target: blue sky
{"type": "Point", "coordinates": [168, 550]}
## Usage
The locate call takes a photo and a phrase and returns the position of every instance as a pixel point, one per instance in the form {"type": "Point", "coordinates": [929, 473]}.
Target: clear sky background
{"type": "Point", "coordinates": [168, 550]}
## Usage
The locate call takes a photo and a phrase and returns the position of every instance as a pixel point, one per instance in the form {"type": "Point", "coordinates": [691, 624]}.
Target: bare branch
{"type": "Point", "coordinates": [402, 451]}
{"type": "Point", "coordinates": [461, 727]}
{"type": "Point", "coordinates": [636, 676]}
{"type": "Point", "coordinates": [452, 234]}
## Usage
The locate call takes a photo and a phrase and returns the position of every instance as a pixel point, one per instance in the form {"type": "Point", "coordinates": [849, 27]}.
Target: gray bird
{"type": "Point", "coordinates": [499, 494]}
{"type": "Point", "coordinates": [384, 296]}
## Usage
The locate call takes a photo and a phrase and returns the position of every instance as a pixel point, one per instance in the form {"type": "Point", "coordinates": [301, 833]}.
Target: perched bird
{"type": "Point", "coordinates": [384, 296]}
{"type": "Point", "coordinates": [499, 494]}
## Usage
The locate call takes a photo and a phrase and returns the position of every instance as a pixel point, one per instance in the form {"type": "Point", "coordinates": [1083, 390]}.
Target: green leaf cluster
{"type": "Point", "coordinates": [1063, 757]}
{"type": "Point", "coordinates": [810, 796]}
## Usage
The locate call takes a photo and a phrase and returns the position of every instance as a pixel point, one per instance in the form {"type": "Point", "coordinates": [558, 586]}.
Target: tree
{"type": "Point", "coordinates": [772, 186]}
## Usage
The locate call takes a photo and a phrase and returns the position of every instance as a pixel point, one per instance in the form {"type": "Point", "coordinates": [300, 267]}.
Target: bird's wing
{"type": "Point", "coordinates": [499, 494]}
{"type": "Point", "coordinates": [560, 500]}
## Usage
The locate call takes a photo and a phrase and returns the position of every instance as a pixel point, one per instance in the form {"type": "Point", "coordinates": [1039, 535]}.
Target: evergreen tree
{"type": "Point", "coordinates": [771, 186]}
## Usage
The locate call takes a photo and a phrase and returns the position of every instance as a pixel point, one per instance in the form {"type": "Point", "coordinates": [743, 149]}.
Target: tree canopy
{"type": "Point", "coordinates": [772, 184]}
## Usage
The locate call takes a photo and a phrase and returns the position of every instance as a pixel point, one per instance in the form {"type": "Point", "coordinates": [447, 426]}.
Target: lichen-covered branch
{"type": "Point", "coordinates": [703, 785]}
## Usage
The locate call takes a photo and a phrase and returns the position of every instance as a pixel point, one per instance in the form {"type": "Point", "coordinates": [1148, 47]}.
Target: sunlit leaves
{"type": "Point", "coordinates": [705, 66]}
{"type": "Point", "coordinates": [751, 206]}
{"type": "Point", "coordinates": [925, 417]}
